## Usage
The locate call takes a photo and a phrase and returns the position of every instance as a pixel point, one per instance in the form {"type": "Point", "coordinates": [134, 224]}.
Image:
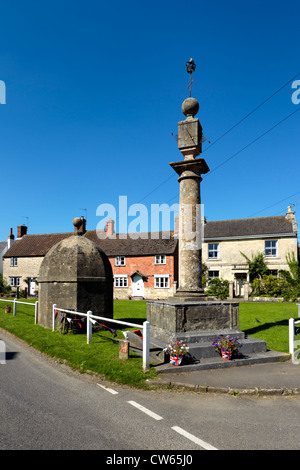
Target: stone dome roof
{"type": "Point", "coordinates": [75, 259]}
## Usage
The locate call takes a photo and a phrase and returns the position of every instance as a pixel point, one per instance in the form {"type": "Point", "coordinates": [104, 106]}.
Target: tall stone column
{"type": "Point", "coordinates": [190, 233]}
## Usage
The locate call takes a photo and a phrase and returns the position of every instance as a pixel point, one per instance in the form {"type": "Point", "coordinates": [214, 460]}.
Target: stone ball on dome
{"type": "Point", "coordinates": [190, 107]}
{"type": "Point", "coordinates": [77, 222]}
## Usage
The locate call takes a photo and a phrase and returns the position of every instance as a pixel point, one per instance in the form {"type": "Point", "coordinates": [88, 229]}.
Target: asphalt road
{"type": "Point", "coordinates": [44, 405]}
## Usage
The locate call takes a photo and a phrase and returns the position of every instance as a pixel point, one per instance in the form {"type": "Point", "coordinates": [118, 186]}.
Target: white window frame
{"type": "Point", "coordinates": [273, 246]}
{"type": "Point", "coordinates": [160, 259]}
{"type": "Point", "coordinates": [213, 249]}
{"type": "Point", "coordinates": [13, 261]}
{"type": "Point", "coordinates": [121, 280]}
{"type": "Point", "coordinates": [120, 260]}
{"type": "Point", "coordinates": [14, 281]}
{"type": "Point", "coordinates": [162, 281]}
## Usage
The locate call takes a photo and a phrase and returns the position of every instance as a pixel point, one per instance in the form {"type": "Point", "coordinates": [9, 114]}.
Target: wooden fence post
{"type": "Point", "coordinates": [89, 327]}
{"type": "Point", "coordinates": [146, 345]}
{"type": "Point", "coordinates": [36, 308]}
{"type": "Point", "coordinates": [53, 316]}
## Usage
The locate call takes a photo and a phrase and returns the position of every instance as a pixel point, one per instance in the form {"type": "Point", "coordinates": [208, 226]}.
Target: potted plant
{"type": "Point", "coordinates": [226, 345]}
{"type": "Point", "coordinates": [176, 350]}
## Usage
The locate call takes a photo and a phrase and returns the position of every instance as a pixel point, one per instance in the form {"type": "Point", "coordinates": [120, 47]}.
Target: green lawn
{"type": "Point", "coordinates": [102, 355]}
{"type": "Point", "coordinates": [273, 327]}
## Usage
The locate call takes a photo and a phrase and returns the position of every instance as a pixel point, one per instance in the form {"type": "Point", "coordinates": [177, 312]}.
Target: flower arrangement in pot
{"type": "Point", "coordinates": [176, 350]}
{"type": "Point", "coordinates": [226, 345]}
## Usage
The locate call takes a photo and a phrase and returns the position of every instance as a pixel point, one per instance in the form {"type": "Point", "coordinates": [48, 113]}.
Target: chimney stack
{"type": "Point", "coordinates": [82, 228]}
{"type": "Point", "coordinates": [10, 239]}
{"type": "Point", "coordinates": [110, 228]}
{"type": "Point", "coordinates": [290, 216]}
{"type": "Point", "coordinates": [22, 230]}
{"type": "Point", "coordinates": [176, 226]}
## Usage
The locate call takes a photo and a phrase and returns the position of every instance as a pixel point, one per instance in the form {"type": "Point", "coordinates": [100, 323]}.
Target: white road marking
{"type": "Point", "coordinates": [195, 439]}
{"type": "Point", "coordinates": [110, 390]}
{"type": "Point", "coordinates": [145, 410]}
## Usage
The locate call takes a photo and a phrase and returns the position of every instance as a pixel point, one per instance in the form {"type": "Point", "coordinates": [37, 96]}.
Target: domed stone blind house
{"type": "Point", "coordinates": [75, 275]}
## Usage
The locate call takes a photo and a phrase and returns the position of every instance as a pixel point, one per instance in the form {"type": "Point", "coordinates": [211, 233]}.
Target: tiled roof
{"type": "Point", "coordinates": [35, 245]}
{"type": "Point", "coordinates": [3, 245]}
{"type": "Point", "coordinates": [147, 244]}
{"type": "Point", "coordinates": [260, 226]}
{"type": "Point", "coordinates": [39, 245]}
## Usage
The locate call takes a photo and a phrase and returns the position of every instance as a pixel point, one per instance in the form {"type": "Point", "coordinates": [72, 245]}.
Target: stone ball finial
{"type": "Point", "coordinates": [190, 107]}
{"type": "Point", "coordinates": [77, 222]}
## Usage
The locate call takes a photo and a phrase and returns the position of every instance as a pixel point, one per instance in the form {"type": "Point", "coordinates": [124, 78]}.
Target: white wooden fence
{"type": "Point", "coordinates": [89, 315]}
{"type": "Point", "coordinates": [292, 351]}
{"type": "Point", "coordinates": [15, 302]}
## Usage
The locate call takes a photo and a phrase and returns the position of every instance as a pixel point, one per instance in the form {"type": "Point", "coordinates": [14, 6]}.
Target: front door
{"type": "Point", "coordinates": [241, 278]}
{"type": "Point", "coordinates": [137, 286]}
{"type": "Point", "coordinates": [32, 287]}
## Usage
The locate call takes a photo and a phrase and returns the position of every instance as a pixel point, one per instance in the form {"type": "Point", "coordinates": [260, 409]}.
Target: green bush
{"type": "Point", "coordinates": [4, 288]}
{"type": "Point", "coordinates": [269, 286]}
{"type": "Point", "coordinates": [218, 288]}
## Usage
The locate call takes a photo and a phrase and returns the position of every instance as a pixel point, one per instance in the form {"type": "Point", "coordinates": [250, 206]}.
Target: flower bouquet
{"type": "Point", "coordinates": [226, 345]}
{"type": "Point", "coordinates": [176, 350]}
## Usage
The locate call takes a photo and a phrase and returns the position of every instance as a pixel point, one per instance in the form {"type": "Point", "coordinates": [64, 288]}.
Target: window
{"type": "Point", "coordinates": [14, 261]}
{"type": "Point", "coordinates": [120, 260]}
{"type": "Point", "coordinates": [160, 259]}
{"type": "Point", "coordinates": [161, 282]}
{"type": "Point", "coordinates": [213, 250]}
{"type": "Point", "coordinates": [121, 281]}
{"type": "Point", "coordinates": [213, 274]}
{"type": "Point", "coordinates": [271, 248]}
{"type": "Point", "coordinates": [14, 282]}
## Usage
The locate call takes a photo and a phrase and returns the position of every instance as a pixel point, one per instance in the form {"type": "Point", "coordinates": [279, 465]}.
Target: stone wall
{"type": "Point", "coordinates": [27, 267]}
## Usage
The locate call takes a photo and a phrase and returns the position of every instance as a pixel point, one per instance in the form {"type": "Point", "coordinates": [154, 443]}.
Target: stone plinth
{"type": "Point", "coordinates": [198, 324]}
{"type": "Point", "coordinates": [172, 318]}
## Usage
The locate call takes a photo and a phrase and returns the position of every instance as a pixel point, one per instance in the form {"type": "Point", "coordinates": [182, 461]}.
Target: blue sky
{"type": "Point", "coordinates": [94, 92]}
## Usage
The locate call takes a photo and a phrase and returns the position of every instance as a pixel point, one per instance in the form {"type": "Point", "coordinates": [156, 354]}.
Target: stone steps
{"type": "Point", "coordinates": [203, 356]}
{"type": "Point", "coordinates": [218, 363]}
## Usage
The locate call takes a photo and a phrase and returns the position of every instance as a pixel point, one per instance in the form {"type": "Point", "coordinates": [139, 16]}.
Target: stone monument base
{"type": "Point", "coordinates": [181, 316]}
{"type": "Point", "coordinates": [197, 323]}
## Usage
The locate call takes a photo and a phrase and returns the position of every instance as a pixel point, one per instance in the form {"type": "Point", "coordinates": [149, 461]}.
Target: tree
{"type": "Point", "coordinates": [257, 266]}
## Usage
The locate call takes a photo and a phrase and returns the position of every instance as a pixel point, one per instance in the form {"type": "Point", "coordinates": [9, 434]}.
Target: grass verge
{"type": "Point", "coordinates": [266, 321]}
{"type": "Point", "coordinates": [101, 356]}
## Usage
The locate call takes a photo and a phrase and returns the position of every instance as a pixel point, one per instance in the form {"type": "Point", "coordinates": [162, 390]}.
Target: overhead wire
{"type": "Point", "coordinates": [229, 130]}
{"type": "Point", "coordinates": [253, 141]}
{"type": "Point", "coordinates": [252, 112]}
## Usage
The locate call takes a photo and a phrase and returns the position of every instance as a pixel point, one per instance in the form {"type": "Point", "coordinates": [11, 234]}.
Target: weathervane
{"type": "Point", "coordinates": [190, 68]}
